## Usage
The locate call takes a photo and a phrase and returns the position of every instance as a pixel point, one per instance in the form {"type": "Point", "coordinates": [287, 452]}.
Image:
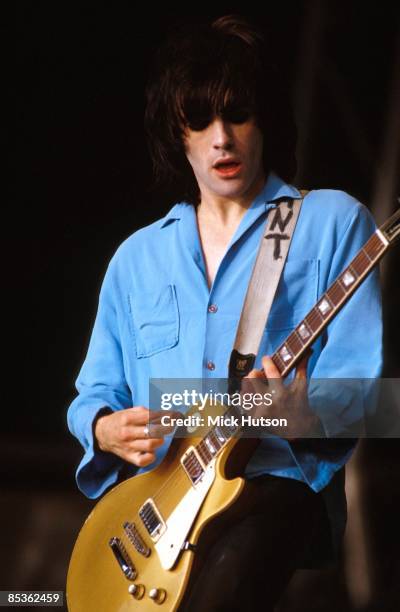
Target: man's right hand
{"type": "Point", "coordinates": [124, 433]}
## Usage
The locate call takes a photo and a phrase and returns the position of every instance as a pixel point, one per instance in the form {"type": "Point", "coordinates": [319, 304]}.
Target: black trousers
{"type": "Point", "coordinates": [250, 564]}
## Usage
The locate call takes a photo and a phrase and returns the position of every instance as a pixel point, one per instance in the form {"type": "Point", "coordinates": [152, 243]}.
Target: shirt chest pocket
{"type": "Point", "coordinates": [297, 293]}
{"type": "Point", "coordinates": [155, 318]}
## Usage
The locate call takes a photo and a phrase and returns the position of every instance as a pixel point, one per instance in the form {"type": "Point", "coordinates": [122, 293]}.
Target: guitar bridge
{"type": "Point", "coordinates": [152, 520]}
{"type": "Point", "coordinates": [123, 559]}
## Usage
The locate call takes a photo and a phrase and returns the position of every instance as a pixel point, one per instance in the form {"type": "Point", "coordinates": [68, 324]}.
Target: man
{"type": "Point", "coordinates": [220, 129]}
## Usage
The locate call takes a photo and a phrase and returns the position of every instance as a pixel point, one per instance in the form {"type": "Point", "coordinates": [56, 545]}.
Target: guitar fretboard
{"type": "Point", "coordinates": [293, 348]}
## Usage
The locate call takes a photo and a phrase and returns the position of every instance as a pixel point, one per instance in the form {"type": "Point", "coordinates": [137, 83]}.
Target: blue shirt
{"type": "Point", "coordinates": [154, 321]}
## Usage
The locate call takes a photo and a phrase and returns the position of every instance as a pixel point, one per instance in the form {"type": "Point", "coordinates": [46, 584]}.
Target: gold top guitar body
{"type": "Point", "coordinates": [136, 549]}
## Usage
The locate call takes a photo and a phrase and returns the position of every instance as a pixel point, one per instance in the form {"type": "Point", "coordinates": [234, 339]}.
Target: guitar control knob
{"type": "Point", "coordinates": [136, 590]}
{"type": "Point", "coordinates": [158, 595]}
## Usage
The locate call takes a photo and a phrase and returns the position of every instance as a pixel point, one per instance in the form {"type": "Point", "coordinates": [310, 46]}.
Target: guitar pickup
{"type": "Point", "coordinates": [152, 520]}
{"type": "Point", "coordinates": [123, 559]}
{"type": "Point", "coordinates": [136, 539]}
{"type": "Point", "coordinates": [193, 466]}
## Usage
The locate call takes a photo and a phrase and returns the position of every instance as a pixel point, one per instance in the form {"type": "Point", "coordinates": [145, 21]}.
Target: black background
{"type": "Point", "coordinates": [83, 184]}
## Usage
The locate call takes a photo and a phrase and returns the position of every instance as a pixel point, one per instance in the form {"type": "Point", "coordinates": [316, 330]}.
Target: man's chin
{"type": "Point", "coordinates": [230, 188]}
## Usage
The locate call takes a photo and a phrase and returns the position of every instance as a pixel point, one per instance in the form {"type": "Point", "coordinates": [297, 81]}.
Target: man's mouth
{"type": "Point", "coordinates": [228, 168]}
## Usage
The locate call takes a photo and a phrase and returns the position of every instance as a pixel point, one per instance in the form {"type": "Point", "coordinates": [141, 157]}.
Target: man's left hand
{"type": "Point", "coordinates": [289, 401]}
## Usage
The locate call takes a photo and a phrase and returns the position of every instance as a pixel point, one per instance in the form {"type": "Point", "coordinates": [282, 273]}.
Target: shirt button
{"type": "Point", "coordinates": [210, 365]}
{"type": "Point", "coordinates": [212, 308]}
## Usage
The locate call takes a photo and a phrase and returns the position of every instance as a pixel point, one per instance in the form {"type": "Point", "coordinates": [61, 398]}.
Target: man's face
{"type": "Point", "coordinates": [226, 157]}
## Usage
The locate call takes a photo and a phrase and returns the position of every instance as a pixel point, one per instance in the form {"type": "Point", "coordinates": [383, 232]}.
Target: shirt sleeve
{"type": "Point", "coordinates": [101, 383]}
{"type": "Point", "coordinates": [343, 376]}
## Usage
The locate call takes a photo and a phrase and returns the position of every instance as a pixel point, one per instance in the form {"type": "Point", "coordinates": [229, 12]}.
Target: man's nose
{"type": "Point", "coordinates": [222, 137]}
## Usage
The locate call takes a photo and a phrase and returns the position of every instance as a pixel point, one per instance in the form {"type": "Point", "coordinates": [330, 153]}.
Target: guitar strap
{"type": "Point", "coordinates": [264, 280]}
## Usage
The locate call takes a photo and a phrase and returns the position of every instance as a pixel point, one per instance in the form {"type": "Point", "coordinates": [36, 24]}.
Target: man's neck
{"type": "Point", "coordinates": [227, 211]}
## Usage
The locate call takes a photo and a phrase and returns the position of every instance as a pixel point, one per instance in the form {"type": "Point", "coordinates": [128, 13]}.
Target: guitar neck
{"type": "Point", "coordinates": [331, 302]}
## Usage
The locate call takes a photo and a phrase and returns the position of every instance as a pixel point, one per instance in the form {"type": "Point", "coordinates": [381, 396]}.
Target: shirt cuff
{"type": "Point", "coordinates": [98, 470]}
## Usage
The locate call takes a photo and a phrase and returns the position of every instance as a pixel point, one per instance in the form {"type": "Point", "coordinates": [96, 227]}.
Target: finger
{"type": "Point", "coordinates": [148, 445]}
{"type": "Point", "coordinates": [145, 432]}
{"type": "Point", "coordinates": [141, 459]}
{"type": "Point", "coordinates": [140, 415]}
{"type": "Point", "coordinates": [301, 370]}
{"type": "Point", "coordinates": [270, 369]}
{"type": "Point", "coordinates": [137, 415]}
{"type": "Point", "coordinates": [256, 374]}
{"type": "Point", "coordinates": [162, 423]}
{"type": "Point", "coordinates": [272, 373]}
{"type": "Point", "coordinates": [247, 384]}
{"type": "Point", "coordinates": [155, 416]}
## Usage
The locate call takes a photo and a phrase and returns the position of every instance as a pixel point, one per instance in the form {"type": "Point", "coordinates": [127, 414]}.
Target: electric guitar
{"type": "Point", "coordinates": [144, 542]}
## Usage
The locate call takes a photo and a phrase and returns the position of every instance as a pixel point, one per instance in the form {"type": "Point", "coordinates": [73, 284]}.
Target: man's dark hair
{"type": "Point", "coordinates": [219, 69]}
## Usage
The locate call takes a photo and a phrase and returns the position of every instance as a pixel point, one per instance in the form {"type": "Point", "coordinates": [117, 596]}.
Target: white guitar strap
{"type": "Point", "coordinates": [267, 270]}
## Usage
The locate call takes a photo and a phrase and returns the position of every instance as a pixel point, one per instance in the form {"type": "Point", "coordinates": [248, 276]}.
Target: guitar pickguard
{"type": "Point", "coordinates": [179, 523]}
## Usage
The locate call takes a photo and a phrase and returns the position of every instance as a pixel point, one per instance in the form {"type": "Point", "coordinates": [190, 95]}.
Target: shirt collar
{"type": "Point", "coordinates": [274, 189]}
{"type": "Point", "coordinates": [173, 215]}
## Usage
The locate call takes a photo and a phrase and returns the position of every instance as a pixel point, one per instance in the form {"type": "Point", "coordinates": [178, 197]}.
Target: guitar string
{"type": "Point", "coordinates": [180, 471]}
{"type": "Point", "coordinates": [176, 475]}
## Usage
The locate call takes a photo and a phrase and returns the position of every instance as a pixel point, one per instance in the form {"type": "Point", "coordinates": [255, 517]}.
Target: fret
{"type": "Point", "coordinates": [316, 311]}
{"type": "Point", "coordinates": [207, 449]}
{"type": "Point", "coordinates": [335, 293]}
{"type": "Point", "coordinates": [310, 321]}
{"type": "Point", "coordinates": [299, 338]}
{"type": "Point", "coordinates": [278, 361]}
{"type": "Point", "coordinates": [364, 250]}
{"type": "Point", "coordinates": [360, 263]}
{"type": "Point", "coordinates": [210, 446]}
{"type": "Point", "coordinates": [314, 319]}
{"type": "Point", "coordinates": [375, 246]}
{"type": "Point", "coordinates": [215, 440]}
{"type": "Point", "coordinates": [219, 435]}
{"type": "Point", "coordinates": [295, 344]}
{"type": "Point", "coordinates": [227, 430]}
